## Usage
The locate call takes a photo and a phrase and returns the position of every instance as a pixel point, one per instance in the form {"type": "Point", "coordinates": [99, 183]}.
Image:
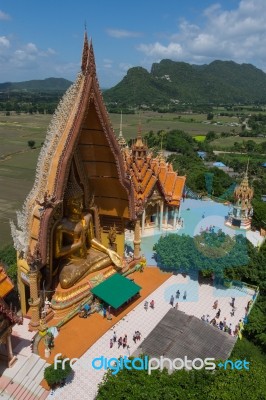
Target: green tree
{"type": "Point", "coordinates": [31, 143]}
{"type": "Point", "coordinates": [211, 135]}
{"type": "Point", "coordinates": [8, 257]}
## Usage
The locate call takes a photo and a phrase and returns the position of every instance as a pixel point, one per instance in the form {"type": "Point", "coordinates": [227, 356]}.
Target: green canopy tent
{"type": "Point", "coordinates": [116, 290]}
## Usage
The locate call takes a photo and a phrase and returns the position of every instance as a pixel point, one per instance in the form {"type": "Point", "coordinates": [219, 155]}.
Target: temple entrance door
{"type": "Point", "coordinates": [151, 213]}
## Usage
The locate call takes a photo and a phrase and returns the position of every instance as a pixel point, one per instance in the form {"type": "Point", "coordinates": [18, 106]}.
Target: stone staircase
{"type": "Point", "coordinates": [22, 381]}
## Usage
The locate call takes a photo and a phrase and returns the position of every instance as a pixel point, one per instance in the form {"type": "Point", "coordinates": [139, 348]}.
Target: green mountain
{"type": "Point", "coordinates": [45, 85]}
{"type": "Point", "coordinates": [169, 81]}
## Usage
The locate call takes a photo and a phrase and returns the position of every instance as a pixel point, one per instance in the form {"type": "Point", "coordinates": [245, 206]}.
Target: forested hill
{"type": "Point", "coordinates": [170, 81]}
{"type": "Point", "coordinates": [44, 85]}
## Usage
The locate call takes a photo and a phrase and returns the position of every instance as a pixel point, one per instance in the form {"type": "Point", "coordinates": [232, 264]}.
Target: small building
{"type": "Point", "coordinates": [202, 154]}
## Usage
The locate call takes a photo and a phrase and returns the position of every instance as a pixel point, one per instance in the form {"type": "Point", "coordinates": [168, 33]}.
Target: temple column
{"type": "Point", "coordinates": [10, 356]}
{"type": "Point", "coordinates": [157, 215]}
{"type": "Point", "coordinates": [143, 221]}
{"type": "Point", "coordinates": [137, 240]}
{"type": "Point", "coordinates": [34, 301]}
{"type": "Point", "coordinates": [166, 216]}
{"type": "Point", "coordinates": [161, 215]}
{"type": "Point", "coordinates": [175, 215]}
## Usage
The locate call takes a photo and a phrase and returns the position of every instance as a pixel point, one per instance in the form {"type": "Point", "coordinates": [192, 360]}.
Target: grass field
{"type": "Point", "coordinates": [228, 142]}
{"type": "Point", "coordinates": [194, 124]}
{"type": "Point", "coordinates": [18, 161]}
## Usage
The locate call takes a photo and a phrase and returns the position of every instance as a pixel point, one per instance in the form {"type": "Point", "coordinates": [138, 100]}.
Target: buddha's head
{"type": "Point", "coordinates": [75, 206]}
{"type": "Point", "coordinates": [73, 196]}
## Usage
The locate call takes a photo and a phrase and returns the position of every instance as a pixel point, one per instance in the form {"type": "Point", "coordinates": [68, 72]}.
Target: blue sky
{"type": "Point", "coordinates": [41, 39]}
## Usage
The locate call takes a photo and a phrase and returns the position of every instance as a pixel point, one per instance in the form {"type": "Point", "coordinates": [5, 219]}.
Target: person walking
{"type": "Point", "coordinates": [111, 343]}
{"type": "Point", "coordinates": [152, 304]}
{"type": "Point", "coordinates": [176, 306]}
{"type": "Point", "coordinates": [120, 342]}
{"type": "Point", "coordinates": [233, 302]}
{"type": "Point", "coordinates": [172, 301]}
{"type": "Point", "coordinates": [125, 341]}
{"type": "Point", "coordinates": [218, 313]}
{"type": "Point", "coordinates": [146, 305]}
{"type": "Point", "coordinates": [185, 295]}
{"type": "Point", "coordinates": [134, 337]}
{"type": "Point", "coordinates": [177, 294]}
{"type": "Point", "coordinates": [114, 337]}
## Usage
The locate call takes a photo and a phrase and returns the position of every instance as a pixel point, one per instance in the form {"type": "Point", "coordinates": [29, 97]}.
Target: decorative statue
{"type": "Point", "coordinates": [76, 248]}
{"type": "Point", "coordinates": [112, 238]}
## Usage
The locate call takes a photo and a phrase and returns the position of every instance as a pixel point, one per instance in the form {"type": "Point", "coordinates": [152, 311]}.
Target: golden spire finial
{"type": "Point", "coordinates": [91, 59]}
{"type": "Point", "coordinates": [85, 51]}
{"type": "Point", "coordinates": [247, 168]}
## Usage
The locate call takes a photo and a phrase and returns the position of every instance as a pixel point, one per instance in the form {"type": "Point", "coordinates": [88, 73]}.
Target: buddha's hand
{"type": "Point", "coordinates": [115, 258]}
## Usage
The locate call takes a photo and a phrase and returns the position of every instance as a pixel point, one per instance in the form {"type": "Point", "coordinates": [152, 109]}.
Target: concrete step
{"type": "Point", "coordinates": [37, 368]}
{"type": "Point", "coordinates": [21, 388]}
{"type": "Point", "coordinates": [25, 382]}
{"type": "Point", "coordinates": [38, 392]}
{"type": "Point", "coordinates": [39, 377]}
{"type": "Point", "coordinates": [28, 366]}
{"type": "Point", "coordinates": [43, 395]}
{"type": "Point", "coordinates": [32, 389]}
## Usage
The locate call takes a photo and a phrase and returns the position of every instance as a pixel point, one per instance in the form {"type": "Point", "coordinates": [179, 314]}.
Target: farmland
{"type": "Point", "coordinates": [18, 161]}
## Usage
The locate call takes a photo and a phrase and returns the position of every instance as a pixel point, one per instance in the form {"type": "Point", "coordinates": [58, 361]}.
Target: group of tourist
{"type": "Point", "coordinates": [146, 305]}
{"type": "Point", "coordinates": [210, 229]}
{"type": "Point", "coordinates": [223, 324]}
{"type": "Point", "coordinates": [177, 295]}
{"type": "Point", "coordinates": [123, 341]}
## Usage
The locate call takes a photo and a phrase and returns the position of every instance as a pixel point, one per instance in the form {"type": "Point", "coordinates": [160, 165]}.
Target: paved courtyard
{"type": "Point", "coordinates": [199, 301]}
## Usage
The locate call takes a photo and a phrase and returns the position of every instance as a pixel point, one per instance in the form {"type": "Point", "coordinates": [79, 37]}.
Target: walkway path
{"type": "Point", "coordinates": [199, 301]}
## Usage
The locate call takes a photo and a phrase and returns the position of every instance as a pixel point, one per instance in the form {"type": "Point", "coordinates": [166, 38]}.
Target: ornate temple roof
{"type": "Point", "coordinates": [147, 173]}
{"type": "Point", "coordinates": [6, 284]}
{"type": "Point", "coordinates": [120, 139]}
{"type": "Point", "coordinates": [244, 191]}
{"type": "Point", "coordinates": [80, 135]}
{"type": "Point", "coordinates": [6, 312]}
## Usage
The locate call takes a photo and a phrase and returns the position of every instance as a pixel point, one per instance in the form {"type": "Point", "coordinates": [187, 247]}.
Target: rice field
{"type": "Point", "coordinates": [18, 161]}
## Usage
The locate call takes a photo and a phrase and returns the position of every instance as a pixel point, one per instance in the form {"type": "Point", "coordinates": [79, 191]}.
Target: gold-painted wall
{"type": "Point", "coordinates": [120, 241]}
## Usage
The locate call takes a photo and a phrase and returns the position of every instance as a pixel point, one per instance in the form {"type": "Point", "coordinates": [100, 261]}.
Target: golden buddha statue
{"type": "Point", "coordinates": [76, 248]}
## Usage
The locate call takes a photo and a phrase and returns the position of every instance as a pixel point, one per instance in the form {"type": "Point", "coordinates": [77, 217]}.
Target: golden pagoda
{"type": "Point", "coordinates": [242, 212]}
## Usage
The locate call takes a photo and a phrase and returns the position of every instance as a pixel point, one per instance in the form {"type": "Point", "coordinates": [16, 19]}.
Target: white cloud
{"type": "Point", "coordinates": [172, 50]}
{"type": "Point", "coordinates": [238, 34]}
{"type": "Point", "coordinates": [4, 16]}
{"type": "Point", "coordinates": [4, 42]}
{"type": "Point", "coordinates": [120, 33]}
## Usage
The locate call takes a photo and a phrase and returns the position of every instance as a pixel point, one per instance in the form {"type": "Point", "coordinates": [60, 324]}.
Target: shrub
{"type": "Point", "coordinates": [57, 376]}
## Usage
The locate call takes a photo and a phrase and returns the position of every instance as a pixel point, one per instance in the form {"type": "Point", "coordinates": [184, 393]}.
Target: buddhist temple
{"type": "Point", "coordinates": [157, 187]}
{"type": "Point", "coordinates": [73, 221]}
{"type": "Point", "coordinates": [242, 211]}
{"type": "Point", "coordinates": [8, 318]}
